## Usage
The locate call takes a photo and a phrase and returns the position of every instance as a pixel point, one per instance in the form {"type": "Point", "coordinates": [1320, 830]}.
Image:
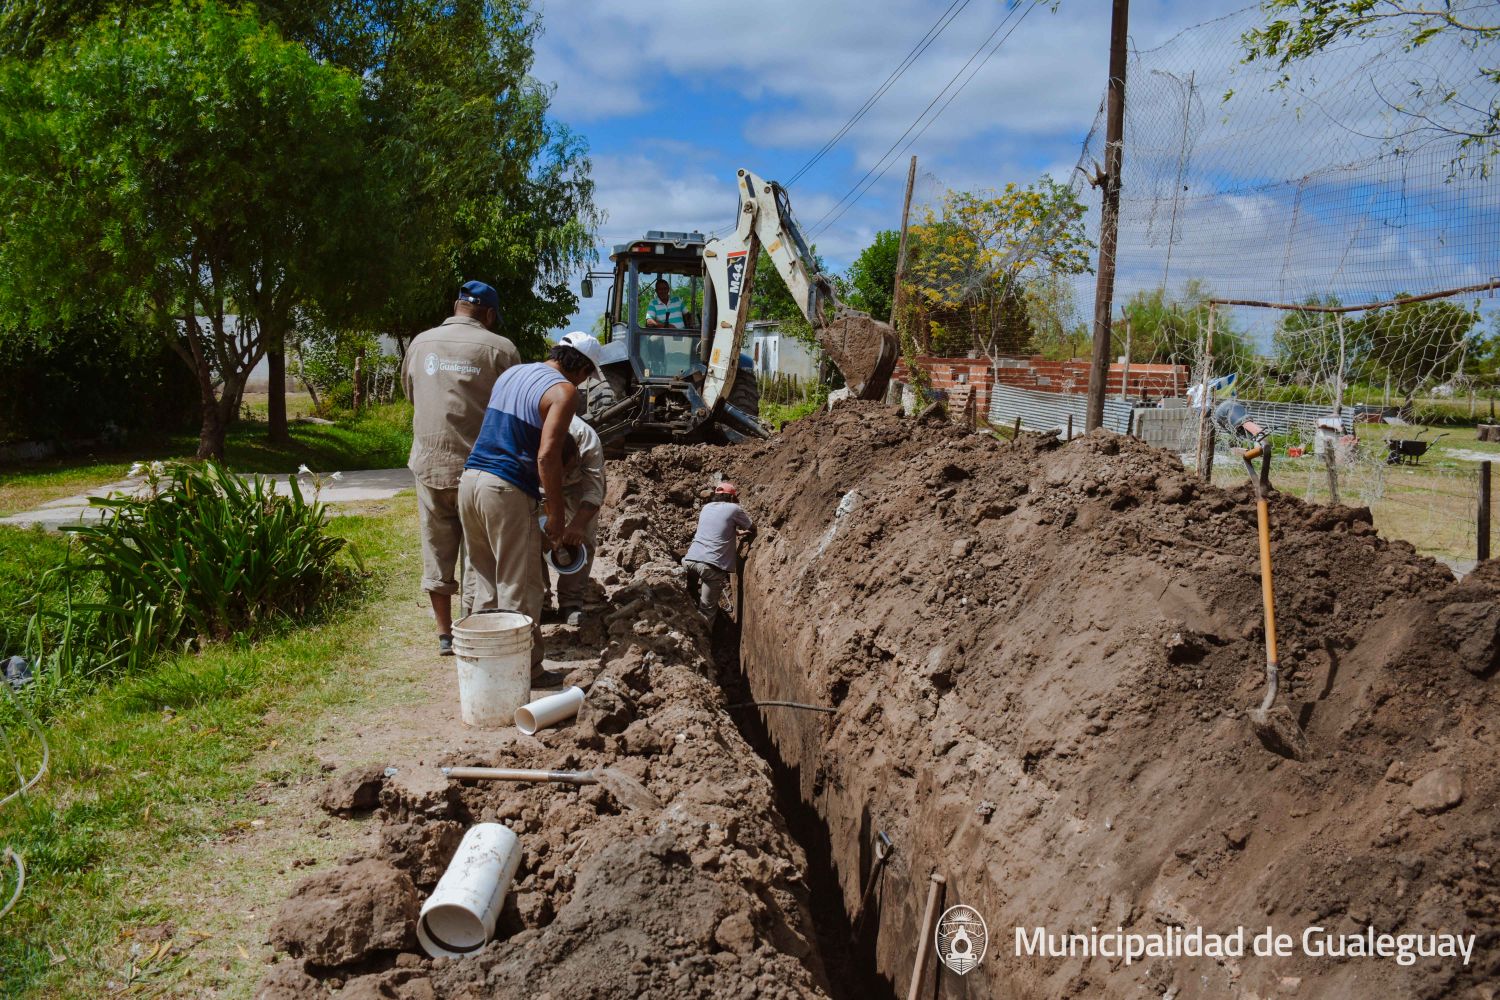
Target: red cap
{"type": "Point", "coordinates": [727, 488]}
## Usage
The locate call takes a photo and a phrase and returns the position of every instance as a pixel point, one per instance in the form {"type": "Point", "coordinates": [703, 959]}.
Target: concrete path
{"type": "Point", "coordinates": [351, 487]}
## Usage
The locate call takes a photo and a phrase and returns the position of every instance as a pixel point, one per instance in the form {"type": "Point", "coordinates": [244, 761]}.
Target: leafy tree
{"type": "Point", "coordinates": [177, 165]}
{"type": "Point", "coordinates": [1057, 329]}
{"type": "Point", "coordinates": [970, 262]}
{"type": "Point", "coordinates": [1169, 330]}
{"type": "Point", "coordinates": [1308, 342]}
{"type": "Point", "coordinates": [1413, 344]}
{"type": "Point", "coordinates": [479, 181]}
{"type": "Point", "coordinates": [467, 176]}
{"type": "Point", "coordinates": [771, 299]}
{"type": "Point", "coordinates": [1298, 29]}
{"type": "Point", "coordinates": [872, 276]}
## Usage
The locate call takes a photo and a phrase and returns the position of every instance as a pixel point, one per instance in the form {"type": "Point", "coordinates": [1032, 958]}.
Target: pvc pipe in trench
{"type": "Point", "coordinates": [459, 917]}
{"type": "Point", "coordinates": [549, 711]}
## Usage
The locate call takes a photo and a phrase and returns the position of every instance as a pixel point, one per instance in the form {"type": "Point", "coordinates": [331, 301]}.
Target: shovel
{"type": "Point", "coordinates": [1273, 724]}
{"type": "Point", "coordinates": [624, 789]}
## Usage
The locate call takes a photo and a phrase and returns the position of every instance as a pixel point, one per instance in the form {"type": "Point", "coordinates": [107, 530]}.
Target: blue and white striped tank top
{"type": "Point", "coordinates": [511, 435]}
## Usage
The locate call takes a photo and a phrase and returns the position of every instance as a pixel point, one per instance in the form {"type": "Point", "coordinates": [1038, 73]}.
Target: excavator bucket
{"type": "Point", "coordinates": [864, 349]}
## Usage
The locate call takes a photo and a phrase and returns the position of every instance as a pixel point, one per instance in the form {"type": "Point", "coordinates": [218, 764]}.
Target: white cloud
{"type": "Point", "coordinates": [806, 65]}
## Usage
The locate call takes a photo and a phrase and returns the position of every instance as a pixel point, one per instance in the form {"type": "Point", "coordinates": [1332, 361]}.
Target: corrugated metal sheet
{"type": "Point", "coordinates": [1045, 411]}
{"type": "Point", "coordinates": [1286, 416]}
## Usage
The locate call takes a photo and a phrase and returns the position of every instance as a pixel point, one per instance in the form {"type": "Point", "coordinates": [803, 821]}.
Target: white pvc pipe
{"type": "Point", "coordinates": [580, 559]}
{"type": "Point", "coordinates": [549, 711]}
{"type": "Point", "coordinates": [459, 917]}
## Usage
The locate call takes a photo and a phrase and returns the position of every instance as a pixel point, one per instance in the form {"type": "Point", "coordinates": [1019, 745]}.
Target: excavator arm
{"type": "Point", "coordinates": [862, 347]}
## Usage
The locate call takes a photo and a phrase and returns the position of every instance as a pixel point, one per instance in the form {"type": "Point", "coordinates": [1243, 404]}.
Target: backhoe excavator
{"type": "Point", "coordinates": [665, 382]}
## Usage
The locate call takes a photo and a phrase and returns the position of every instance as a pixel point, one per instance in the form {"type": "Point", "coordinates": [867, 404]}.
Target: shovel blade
{"type": "Point", "coordinates": [625, 790]}
{"type": "Point", "coordinates": [1278, 732]}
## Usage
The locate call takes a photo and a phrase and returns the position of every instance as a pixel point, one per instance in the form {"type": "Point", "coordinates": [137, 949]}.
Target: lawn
{"type": "Point", "coordinates": [1433, 504]}
{"type": "Point", "coordinates": [377, 438]}
{"type": "Point", "coordinates": [148, 767]}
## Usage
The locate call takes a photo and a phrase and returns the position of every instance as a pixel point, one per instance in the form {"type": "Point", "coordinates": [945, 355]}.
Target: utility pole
{"type": "Point", "coordinates": [1109, 212]}
{"type": "Point", "coordinates": [911, 181]}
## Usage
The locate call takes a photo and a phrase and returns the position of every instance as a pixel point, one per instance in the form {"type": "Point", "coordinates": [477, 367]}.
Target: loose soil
{"type": "Point", "coordinates": [701, 896]}
{"type": "Point", "coordinates": [1040, 658]}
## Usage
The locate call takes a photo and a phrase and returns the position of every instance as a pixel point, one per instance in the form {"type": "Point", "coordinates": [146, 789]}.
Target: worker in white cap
{"type": "Point", "coordinates": [518, 459]}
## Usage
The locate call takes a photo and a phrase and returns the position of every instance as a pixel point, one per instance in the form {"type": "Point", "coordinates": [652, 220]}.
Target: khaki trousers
{"type": "Point", "coordinates": [709, 581]}
{"type": "Point", "coordinates": [442, 534]}
{"type": "Point", "coordinates": [505, 548]}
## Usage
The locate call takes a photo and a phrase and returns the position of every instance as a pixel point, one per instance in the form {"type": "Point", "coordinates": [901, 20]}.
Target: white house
{"type": "Point", "coordinates": [778, 353]}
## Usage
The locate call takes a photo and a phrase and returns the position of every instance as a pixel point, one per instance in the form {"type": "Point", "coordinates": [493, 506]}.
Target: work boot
{"type": "Point", "coordinates": [571, 616]}
{"type": "Point", "coordinates": [445, 645]}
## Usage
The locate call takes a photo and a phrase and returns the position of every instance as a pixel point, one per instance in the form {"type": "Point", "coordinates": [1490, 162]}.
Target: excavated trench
{"type": "Point", "coordinates": [845, 954]}
{"type": "Point", "coordinates": [1039, 658]}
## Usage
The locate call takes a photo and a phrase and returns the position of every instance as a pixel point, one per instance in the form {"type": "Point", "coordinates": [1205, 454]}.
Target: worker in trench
{"type": "Point", "coordinates": [448, 373]}
{"type": "Point", "coordinates": [714, 553]}
{"type": "Point", "coordinates": [517, 459]}
{"type": "Point", "coordinates": [584, 486]}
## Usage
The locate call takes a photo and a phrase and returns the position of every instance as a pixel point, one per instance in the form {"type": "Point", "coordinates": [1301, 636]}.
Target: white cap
{"type": "Point", "coordinates": [586, 345]}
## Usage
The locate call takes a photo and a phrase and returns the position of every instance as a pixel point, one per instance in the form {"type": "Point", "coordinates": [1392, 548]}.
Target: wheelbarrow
{"type": "Point", "coordinates": [1409, 451]}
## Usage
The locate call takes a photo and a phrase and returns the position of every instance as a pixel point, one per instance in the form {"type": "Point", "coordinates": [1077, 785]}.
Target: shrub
{"type": "Point", "coordinates": [205, 554]}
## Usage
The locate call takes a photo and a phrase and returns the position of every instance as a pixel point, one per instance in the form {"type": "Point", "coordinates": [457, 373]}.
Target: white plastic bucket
{"type": "Point", "coordinates": [494, 667]}
{"type": "Point", "coordinates": [549, 711]}
{"type": "Point", "coordinates": [459, 917]}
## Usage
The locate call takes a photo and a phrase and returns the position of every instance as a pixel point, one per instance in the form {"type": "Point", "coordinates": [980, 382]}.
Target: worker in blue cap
{"type": "Point", "coordinates": [449, 372]}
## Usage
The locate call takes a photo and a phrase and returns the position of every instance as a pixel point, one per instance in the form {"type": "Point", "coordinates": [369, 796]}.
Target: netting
{"type": "Point", "coordinates": [1332, 188]}
{"type": "Point", "coordinates": [1336, 183]}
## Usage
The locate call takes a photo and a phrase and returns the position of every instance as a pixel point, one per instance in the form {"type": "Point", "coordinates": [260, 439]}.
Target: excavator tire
{"type": "Point", "coordinates": [601, 396]}
{"type": "Point", "coordinates": [746, 393]}
{"type": "Point", "coordinates": [864, 349]}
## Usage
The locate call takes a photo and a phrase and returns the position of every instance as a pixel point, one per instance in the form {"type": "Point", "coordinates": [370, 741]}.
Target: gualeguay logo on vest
{"type": "Point", "coordinates": [961, 938]}
{"type": "Point", "coordinates": [434, 364]}
{"type": "Point", "coordinates": [736, 277]}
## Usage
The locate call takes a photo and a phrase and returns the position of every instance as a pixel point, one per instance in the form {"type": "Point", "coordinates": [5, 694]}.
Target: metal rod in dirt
{"type": "Point", "coordinates": [521, 774]}
{"type": "Point", "coordinates": [1488, 286]}
{"type": "Point", "coordinates": [924, 943]}
{"type": "Point", "coordinates": [1484, 511]}
{"type": "Point", "coordinates": [785, 704]}
{"type": "Point", "coordinates": [1109, 213]}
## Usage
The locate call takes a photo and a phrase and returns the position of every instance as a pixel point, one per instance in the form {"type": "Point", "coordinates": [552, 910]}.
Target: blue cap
{"type": "Point", "coordinates": [480, 294]}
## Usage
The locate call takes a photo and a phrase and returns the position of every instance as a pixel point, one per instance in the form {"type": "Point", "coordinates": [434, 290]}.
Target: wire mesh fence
{"type": "Point", "coordinates": [1320, 241]}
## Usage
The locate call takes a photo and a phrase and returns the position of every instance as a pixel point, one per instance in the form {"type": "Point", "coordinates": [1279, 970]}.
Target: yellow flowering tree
{"type": "Point", "coordinates": [972, 259]}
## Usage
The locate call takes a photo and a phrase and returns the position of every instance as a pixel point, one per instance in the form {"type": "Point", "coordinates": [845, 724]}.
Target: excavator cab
{"type": "Point", "coordinates": [673, 369]}
{"type": "Point", "coordinates": [652, 363]}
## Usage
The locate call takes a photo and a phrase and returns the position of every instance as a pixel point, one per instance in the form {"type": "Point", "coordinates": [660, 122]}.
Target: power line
{"type": "Point", "coordinates": [863, 185]}
{"type": "Point", "coordinates": [944, 19]}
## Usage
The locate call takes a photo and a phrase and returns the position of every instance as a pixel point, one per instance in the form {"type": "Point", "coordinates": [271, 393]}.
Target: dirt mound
{"type": "Point", "coordinates": [702, 897]}
{"type": "Point", "coordinates": [1041, 656]}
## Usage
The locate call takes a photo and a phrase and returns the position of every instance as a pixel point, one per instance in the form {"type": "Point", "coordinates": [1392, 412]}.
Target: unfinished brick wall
{"type": "Point", "coordinates": [1036, 372]}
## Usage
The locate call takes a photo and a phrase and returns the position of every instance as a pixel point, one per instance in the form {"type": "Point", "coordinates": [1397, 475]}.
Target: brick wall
{"type": "Point", "coordinates": [1039, 373]}
{"type": "Point", "coordinates": [946, 373]}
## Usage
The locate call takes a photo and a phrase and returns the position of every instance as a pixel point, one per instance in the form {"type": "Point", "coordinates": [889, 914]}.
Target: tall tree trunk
{"type": "Point", "coordinates": [276, 400]}
{"type": "Point", "coordinates": [211, 430]}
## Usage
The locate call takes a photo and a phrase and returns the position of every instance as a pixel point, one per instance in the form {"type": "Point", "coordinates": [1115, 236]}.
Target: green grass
{"type": "Point", "coordinates": [378, 438]}
{"type": "Point", "coordinates": [779, 414]}
{"type": "Point", "coordinates": [25, 555]}
{"type": "Point", "coordinates": [151, 765]}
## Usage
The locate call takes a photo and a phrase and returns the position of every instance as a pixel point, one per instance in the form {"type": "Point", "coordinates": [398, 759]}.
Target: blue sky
{"type": "Point", "coordinates": [674, 96]}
